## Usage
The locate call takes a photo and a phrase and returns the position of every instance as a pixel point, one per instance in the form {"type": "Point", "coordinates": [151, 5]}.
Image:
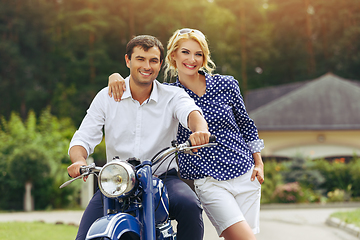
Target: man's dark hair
{"type": "Point", "coordinates": [145, 42]}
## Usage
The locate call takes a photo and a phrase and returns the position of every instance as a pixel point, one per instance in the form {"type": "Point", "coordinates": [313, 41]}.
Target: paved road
{"type": "Point", "coordinates": [300, 224]}
{"type": "Point", "coordinates": [275, 224]}
{"type": "Point", "coordinates": [295, 224]}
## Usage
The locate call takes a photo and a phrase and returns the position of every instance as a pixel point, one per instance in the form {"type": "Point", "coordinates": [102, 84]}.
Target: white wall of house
{"type": "Point", "coordinates": [312, 144]}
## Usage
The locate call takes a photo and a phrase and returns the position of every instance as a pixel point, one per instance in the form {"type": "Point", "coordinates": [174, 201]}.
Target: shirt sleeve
{"type": "Point", "coordinates": [90, 133]}
{"type": "Point", "coordinates": [246, 124]}
{"type": "Point", "coordinates": [256, 146]}
{"type": "Point", "coordinates": [183, 105]}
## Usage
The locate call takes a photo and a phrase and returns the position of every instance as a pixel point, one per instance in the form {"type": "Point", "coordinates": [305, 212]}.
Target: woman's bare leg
{"type": "Point", "coordinates": [239, 231]}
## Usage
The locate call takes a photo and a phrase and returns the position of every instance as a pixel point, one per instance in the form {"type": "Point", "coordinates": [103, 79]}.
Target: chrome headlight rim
{"type": "Point", "coordinates": [130, 182]}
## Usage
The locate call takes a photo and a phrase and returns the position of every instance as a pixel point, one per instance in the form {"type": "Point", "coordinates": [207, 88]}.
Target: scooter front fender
{"type": "Point", "coordinates": [113, 226]}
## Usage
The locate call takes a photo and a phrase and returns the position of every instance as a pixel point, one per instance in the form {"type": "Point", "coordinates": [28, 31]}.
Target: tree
{"type": "Point", "coordinates": [28, 165]}
{"type": "Point", "coordinates": [60, 53]}
{"type": "Point", "coordinates": [34, 152]}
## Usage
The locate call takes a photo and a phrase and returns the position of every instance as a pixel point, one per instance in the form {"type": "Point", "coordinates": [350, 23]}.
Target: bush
{"type": "Point", "coordinates": [34, 150]}
{"type": "Point", "coordinates": [288, 193]}
{"type": "Point", "coordinates": [273, 178]}
{"type": "Point", "coordinates": [301, 171]}
{"type": "Point", "coordinates": [338, 195]}
{"type": "Point", "coordinates": [354, 172]}
{"type": "Point", "coordinates": [301, 180]}
{"type": "Point", "coordinates": [337, 174]}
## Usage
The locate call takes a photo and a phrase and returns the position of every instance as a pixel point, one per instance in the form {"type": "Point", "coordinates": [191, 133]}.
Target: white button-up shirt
{"type": "Point", "coordinates": [134, 130]}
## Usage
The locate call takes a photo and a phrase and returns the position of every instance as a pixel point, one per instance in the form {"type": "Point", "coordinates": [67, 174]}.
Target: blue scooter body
{"type": "Point", "coordinates": [113, 226]}
{"type": "Point", "coordinates": [139, 220]}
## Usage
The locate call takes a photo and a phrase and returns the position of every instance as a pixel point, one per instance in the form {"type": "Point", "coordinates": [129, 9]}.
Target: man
{"type": "Point", "coordinates": [142, 123]}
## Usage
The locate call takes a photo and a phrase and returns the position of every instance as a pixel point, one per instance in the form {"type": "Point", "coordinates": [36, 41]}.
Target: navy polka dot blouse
{"type": "Point", "coordinates": [236, 133]}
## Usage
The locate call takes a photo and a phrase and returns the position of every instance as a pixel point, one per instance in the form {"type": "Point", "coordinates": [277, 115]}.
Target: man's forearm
{"type": "Point", "coordinates": [199, 127]}
{"type": "Point", "coordinates": [196, 122]}
{"type": "Point", "coordinates": [78, 155]}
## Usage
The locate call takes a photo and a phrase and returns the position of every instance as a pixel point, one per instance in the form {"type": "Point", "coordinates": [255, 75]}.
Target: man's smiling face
{"type": "Point", "coordinates": [144, 65]}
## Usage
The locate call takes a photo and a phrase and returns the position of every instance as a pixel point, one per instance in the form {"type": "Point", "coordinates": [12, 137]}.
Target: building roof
{"type": "Point", "coordinates": [326, 103]}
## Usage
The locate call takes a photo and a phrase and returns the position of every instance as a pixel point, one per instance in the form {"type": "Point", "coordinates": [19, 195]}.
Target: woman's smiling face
{"type": "Point", "coordinates": [189, 57]}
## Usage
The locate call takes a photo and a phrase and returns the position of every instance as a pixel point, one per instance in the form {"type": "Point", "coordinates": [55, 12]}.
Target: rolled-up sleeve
{"type": "Point", "coordinates": [256, 146]}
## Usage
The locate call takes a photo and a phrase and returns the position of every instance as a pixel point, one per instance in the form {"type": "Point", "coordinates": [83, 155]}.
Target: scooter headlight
{"type": "Point", "coordinates": [116, 178]}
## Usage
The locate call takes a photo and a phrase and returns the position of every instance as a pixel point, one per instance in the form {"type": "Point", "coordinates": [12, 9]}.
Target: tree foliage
{"type": "Point", "coordinates": [35, 151]}
{"type": "Point", "coordinates": [60, 52]}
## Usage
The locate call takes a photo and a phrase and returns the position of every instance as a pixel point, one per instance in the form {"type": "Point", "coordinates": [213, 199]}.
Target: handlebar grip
{"type": "Point", "coordinates": [82, 170]}
{"type": "Point", "coordinates": [212, 139]}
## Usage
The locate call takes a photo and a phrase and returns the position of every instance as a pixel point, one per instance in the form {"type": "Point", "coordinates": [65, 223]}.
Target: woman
{"type": "Point", "coordinates": [228, 177]}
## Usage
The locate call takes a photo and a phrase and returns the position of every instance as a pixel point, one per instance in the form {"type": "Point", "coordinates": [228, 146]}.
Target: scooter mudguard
{"type": "Point", "coordinates": [113, 226]}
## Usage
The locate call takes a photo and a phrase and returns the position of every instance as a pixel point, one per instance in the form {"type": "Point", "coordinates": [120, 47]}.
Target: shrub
{"type": "Point", "coordinates": [34, 150]}
{"type": "Point", "coordinates": [288, 193]}
{"type": "Point", "coordinates": [300, 180]}
{"type": "Point", "coordinates": [338, 195]}
{"type": "Point", "coordinates": [337, 174]}
{"type": "Point", "coordinates": [301, 171]}
{"type": "Point", "coordinates": [273, 178]}
{"type": "Point", "coordinates": [354, 170]}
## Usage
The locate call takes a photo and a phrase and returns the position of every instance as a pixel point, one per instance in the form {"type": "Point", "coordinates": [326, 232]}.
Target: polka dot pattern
{"type": "Point", "coordinates": [235, 132]}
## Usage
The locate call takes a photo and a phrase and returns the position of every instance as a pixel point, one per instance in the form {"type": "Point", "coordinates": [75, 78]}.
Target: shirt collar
{"type": "Point", "coordinates": [154, 92]}
{"type": "Point", "coordinates": [127, 93]}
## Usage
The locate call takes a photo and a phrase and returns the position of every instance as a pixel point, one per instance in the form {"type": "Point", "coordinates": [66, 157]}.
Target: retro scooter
{"type": "Point", "coordinates": [136, 203]}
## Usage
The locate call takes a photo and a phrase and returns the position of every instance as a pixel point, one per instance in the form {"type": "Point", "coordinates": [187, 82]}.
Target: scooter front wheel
{"type": "Point", "coordinates": [129, 236]}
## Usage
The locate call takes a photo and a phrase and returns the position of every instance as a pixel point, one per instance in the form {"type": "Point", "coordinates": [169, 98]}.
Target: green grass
{"type": "Point", "coordinates": [36, 231]}
{"type": "Point", "coordinates": [352, 217]}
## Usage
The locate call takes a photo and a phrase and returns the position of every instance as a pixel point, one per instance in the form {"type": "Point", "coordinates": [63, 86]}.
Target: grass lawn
{"type": "Point", "coordinates": [352, 217]}
{"type": "Point", "coordinates": [36, 231]}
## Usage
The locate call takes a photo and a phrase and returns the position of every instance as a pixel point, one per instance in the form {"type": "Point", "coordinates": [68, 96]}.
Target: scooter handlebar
{"type": "Point", "coordinates": [212, 139]}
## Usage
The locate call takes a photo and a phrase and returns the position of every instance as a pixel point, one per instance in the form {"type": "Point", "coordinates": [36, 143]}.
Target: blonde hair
{"type": "Point", "coordinates": [173, 45]}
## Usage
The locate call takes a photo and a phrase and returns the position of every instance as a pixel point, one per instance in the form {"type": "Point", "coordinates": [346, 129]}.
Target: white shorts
{"type": "Point", "coordinates": [231, 201]}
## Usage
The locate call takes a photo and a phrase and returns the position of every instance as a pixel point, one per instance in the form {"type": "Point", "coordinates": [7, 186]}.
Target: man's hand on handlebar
{"type": "Point", "coordinates": [78, 156]}
{"type": "Point", "coordinates": [199, 138]}
{"type": "Point", "coordinates": [74, 169]}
